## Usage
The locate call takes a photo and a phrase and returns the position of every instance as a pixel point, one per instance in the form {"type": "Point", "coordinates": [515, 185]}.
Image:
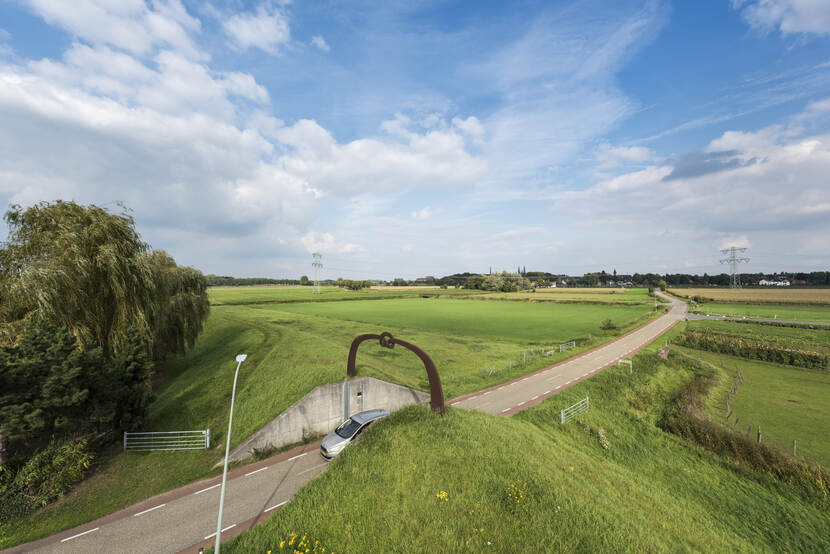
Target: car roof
{"type": "Point", "coordinates": [369, 415]}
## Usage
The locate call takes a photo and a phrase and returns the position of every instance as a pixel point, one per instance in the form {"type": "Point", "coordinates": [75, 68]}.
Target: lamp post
{"type": "Point", "coordinates": [239, 359]}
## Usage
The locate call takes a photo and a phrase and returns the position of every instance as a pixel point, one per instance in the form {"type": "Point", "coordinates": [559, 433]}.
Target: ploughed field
{"type": "Point", "coordinates": [792, 312]}
{"type": "Point", "coordinates": [783, 295]}
{"type": "Point", "coordinates": [293, 347]}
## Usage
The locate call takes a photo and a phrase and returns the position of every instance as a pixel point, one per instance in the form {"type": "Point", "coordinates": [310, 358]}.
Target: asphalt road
{"type": "Point", "coordinates": [184, 519]}
{"type": "Point", "coordinates": [530, 390]}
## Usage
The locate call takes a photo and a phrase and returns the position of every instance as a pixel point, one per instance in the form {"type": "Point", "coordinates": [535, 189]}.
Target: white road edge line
{"type": "Point", "coordinates": [311, 469]}
{"type": "Point", "coordinates": [546, 392]}
{"type": "Point", "coordinates": [297, 456]}
{"type": "Point", "coordinates": [257, 470]}
{"type": "Point", "coordinates": [275, 506]}
{"type": "Point", "coordinates": [504, 410]}
{"type": "Point", "coordinates": [520, 403]}
{"type": "Point", "coordinates": [223, 530]}
{"type": "Point", "coordinates": [207, 489]}
{"type": "Point", "coordinates": [149, 510]}
{"type": "Point", "coordinates": [535, 397]}
{"type": "Point", "coordinates": [79, 534]}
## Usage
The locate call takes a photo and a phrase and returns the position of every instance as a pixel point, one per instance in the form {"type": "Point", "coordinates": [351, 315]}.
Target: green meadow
{"type": "Point", "coordinates": [278, 293]}
{"type": "Point", "coordinates": [514, 321]}
{"type": "Point", "coordinates": [291, 349]}
{"type": "Point", "coordinates": [610, 481]}
{"type": "Point", "coordinates": [786, 402]}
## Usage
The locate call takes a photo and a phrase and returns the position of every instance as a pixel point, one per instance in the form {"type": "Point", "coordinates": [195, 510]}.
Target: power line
{"type": "Point", "coordinates": [733, 260]}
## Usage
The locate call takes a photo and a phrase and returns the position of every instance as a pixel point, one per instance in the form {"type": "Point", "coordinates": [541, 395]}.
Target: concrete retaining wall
{"type": "Point", "coordinates": [321, 410]}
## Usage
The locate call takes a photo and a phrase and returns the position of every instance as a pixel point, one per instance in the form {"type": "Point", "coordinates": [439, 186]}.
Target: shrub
{"type": "Point", "coordinates": [45, 477]}
{"type": "Point", "coordinates": [764, 350]}
{"type": "Point", "coordinates": [608, 325]}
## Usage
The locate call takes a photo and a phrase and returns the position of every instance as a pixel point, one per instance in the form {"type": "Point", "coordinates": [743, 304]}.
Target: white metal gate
{"type": "Point", "coordinates": [168, 440]}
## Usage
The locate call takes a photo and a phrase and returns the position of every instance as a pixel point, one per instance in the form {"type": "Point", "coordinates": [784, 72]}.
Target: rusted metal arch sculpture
{"type": "Point", "coordinates": [388, 341]}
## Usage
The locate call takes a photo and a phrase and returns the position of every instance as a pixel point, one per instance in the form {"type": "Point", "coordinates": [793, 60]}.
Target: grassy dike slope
{"type": "Point", "coordinates": [473, 482]}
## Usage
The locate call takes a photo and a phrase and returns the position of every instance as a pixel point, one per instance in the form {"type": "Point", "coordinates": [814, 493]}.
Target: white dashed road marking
{"type": "Point", "coordinates": [207, 489]}
{"type": "Point", "coordinates": [79, 534]}
{"type": "Point", "coordinates": [223, 530]}
{"type": "Point", "coordinates": [149, 510]}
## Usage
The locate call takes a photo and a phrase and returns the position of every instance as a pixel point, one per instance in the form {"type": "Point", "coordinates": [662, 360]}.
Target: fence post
{"type": "Point", "coordinates": [562, 417]}
{"type": "Point", "coordinates": [587, 404]}
{"type": "Point", "coordinates": [759, 433]}
{"type": "Point", "coordinates": [794, 445]}
{"type": "Point", "coordinates": [207, 438]}
{"type": "Point", "coordinates": [125, 441]}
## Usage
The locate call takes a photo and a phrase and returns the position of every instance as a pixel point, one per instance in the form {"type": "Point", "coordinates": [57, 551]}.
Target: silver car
{"type": "Point", "coordinates": [349, 430]}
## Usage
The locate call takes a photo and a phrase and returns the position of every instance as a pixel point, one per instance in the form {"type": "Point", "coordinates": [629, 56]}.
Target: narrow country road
{"type": "Point", "coordinates": [530, 390]}
{"type": "Point", "coordinates": [184, 519]}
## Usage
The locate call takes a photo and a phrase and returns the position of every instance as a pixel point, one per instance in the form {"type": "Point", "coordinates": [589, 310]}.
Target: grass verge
{"type": "Point", "coordinates": [610, 481]}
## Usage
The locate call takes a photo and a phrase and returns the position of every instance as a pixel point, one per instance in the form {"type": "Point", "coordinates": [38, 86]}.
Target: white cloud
{"type": "Point", "coordinates": [132, 25]}
{"type": "Point", "coordinates": [265, 29]}
{"type": "Point", "coordinates": [770, 180]}
{"type": "Point", "coordinates": [327, 243]}
{"type": "Point", "coordinates": [614, 156]}
{"type": "Point", "coordinates": [436, 158]}
{"type": "Point", "coordinates": [320, 42]}
{"type": "Point", "coordinates": [789, 16]}
{"type": "Point", "coordinates": [738, 241]}
{"type": "Point", "coordinates": [423, 213]}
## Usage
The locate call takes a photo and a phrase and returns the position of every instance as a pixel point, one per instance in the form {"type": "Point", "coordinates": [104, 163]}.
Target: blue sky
{"type": "Point", "coordinates": [425, 138]}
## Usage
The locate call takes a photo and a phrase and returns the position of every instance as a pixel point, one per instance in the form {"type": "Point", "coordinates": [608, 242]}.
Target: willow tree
{"type": "Point", "coordinates": [87, 270]}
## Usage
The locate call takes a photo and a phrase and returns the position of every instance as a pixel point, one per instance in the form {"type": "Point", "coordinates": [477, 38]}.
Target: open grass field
{"type": "Point", "coordinates": [788, 403]}
{"type": "Point", "coordinates": [471, 482]}
{"type": "Point", "coordinates": [784, 295]}
{"type": "Point", "coordinates": [587, 295]}
{"type": "Point", "coordinates": [791, 312]}
{"type": "Point", "coordinates": [289, 353]}
{"type": "Point", "coordinates": [815, 340]}
{"type": "Point", "coordinates": [516, 321]}
{"type": "Point", "coordinates": [280, 293]}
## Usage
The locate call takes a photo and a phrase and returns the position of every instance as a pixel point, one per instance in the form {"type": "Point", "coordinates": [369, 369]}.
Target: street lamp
{"type": "Point", "coordinates": [239, 359]}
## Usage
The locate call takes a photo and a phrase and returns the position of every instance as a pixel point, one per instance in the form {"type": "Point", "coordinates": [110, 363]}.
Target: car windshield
{"type": "Point", "coordinates": [347, 428]}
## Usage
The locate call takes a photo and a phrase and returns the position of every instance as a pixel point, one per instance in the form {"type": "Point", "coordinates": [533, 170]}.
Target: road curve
{"type": "Point", "coordinates": [530, 390]}
{"type": "Point", "coordinates": [184, 519]}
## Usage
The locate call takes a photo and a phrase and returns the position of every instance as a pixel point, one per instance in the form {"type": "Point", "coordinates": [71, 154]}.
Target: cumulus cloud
{"type": "Point", "coordinates": [131, 25]}
{"type": "Point", "coordinates": [771, 180]}
{"type": "Point", "coordinates": [266, 29]}
{"type": "Point", "coordinates": [788, 16]}
{"type": "Point", "coordinates": [436, 158]}
{"type": "Point", "coordinates": [320, 42]}
{"type": "Point", "coordinates": [326, 242]}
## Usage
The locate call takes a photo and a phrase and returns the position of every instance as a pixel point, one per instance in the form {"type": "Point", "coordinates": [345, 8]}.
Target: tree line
{"type": "Point", "coordinates": [86, 309]}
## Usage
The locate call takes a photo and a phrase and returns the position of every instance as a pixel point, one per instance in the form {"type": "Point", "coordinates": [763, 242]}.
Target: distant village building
{"type": "Point", "coordinates": [774, 282]}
